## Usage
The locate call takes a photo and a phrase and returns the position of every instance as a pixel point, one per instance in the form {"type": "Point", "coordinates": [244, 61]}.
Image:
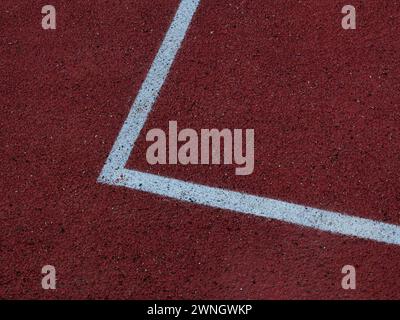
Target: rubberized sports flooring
{"type": "Point", "coordinates": [324, 104]}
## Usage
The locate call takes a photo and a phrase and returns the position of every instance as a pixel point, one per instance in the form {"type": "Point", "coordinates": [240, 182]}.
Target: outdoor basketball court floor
{"type": "Point", "coordinates": [79, 194]}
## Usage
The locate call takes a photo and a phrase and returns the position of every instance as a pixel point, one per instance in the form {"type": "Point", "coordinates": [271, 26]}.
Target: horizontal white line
{"type": "Point", "coordinates": [114, 171]}
{"type": "Point", "coordinates": [260, 206]}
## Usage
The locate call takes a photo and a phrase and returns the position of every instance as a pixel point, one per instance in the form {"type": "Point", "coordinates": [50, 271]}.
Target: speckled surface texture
{"type": "Point", "coordinates": [324, 104]}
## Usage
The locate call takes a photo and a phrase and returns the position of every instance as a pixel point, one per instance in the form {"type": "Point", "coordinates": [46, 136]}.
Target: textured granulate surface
{"type": "Point", "coordinates": [324, 103]}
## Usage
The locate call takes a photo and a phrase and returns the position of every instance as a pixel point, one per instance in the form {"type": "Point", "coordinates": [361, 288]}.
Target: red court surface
{"type": "Point", "coordinates": [324, 103]}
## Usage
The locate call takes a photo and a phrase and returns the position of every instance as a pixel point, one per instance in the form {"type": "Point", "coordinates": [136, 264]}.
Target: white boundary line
{"type": "Point", "coordinates": [115, 173]}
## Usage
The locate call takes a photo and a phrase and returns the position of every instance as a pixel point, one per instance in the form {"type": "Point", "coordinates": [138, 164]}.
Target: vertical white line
{"type": "Point", "coordinates": [149, 91]}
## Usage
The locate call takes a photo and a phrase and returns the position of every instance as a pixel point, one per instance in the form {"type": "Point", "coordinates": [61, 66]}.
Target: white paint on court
{"type": "Point", "coordinates": [115, 173]}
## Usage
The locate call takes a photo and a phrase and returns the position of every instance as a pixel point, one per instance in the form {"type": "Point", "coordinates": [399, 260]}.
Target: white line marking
{"type": "Point", "coordinates": [114, 172]}
{"type": "Point", "coordinates": [150, 88]}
